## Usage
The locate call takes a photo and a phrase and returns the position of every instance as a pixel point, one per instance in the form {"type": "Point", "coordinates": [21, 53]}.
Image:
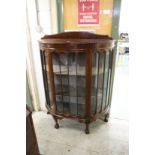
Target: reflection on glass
{"type": "Point", "coordinates": [46, 79]}
{"type": "Point", "coordinates": [100, 62]}
{"type": "Point", "coordinates": [69, 80]}
{"type": "Point", "coordinates": [106, 76]}
{"type": "Point", "coordinates": [81, 83]}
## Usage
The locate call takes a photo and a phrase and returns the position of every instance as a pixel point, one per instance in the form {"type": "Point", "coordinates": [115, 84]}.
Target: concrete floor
{"type": "Point", "coordinates": [104, 139]}
{"type": "Point", "coordinates": [120, 99]}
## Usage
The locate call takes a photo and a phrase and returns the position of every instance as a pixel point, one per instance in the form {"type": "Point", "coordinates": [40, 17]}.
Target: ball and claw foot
{"type": "Point", "coordinates": [87, 131]}
{"type": "Point", "coordinates": [56, 122]}
{"type": "Point", "coordinates": [87, 128]}
{"type": "Point", "coordinates": [57, 126]}
{"type": "Point", "coordinates": [106, 119]}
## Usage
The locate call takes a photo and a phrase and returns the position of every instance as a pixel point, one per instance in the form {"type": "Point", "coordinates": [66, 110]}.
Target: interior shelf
{"type": "Point", "coordinates": [72, 70]}
{"type": "Point", "coordinates": [73, 91]}
{"type": "Point", "coordinates": [73, 108]}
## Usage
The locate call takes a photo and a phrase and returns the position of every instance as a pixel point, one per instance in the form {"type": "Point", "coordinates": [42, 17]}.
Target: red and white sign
{"type": "Point", "coordinates": [88, 12]}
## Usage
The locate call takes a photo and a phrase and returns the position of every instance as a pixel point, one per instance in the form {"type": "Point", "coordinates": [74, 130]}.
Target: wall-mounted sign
{"type": "Point", "coordinates": [88, 12]}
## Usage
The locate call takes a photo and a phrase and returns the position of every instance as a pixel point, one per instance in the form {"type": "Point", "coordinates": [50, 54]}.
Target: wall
{"type": "Point", "coordinates": [70, 17]}
{"type": "Point", "coordinates": [28, 94]}
{"type": "Point", "coordinates": [47, 23]}
{"type": "Point", "coordinates": [124, 17]}
{"type": "Point", "coordinates": [39, 23]}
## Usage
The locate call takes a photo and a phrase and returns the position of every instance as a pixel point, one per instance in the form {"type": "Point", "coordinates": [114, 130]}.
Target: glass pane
{"type": "Point", "coordinates": [59, 103]}
{"type": "Point", "coordinates": [100, 81]}
{"type": "Point", "coordinates": [73, 105]}
{"type": "Point", "coordinates": [81, 85]}
{"type": "Point", "coordinates": [95, 57]}
{"type": "Point", "coordinates": [99, 75]}
{"type": "Point", "coordinates": [69, 79]}
{"type": "Point", "coordinates": [105, 80]}
{"type": "Point", "coordinates": [72, 83]}
{"type": "Point", "coordinates": [63, 61]}
{"type": "Point", "coordinates": [47, 81]}
{"type": "Point", "coordinates": [58, 81]}
{"type": "Point", "coordinates": [66, 103]}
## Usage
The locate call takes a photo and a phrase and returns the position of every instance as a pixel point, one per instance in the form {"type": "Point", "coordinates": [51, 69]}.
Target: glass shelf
{"type": "Point", "coordinates": [72, 72]}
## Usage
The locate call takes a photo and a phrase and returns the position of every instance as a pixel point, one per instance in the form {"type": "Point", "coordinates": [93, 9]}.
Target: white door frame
{"type": "Point", "coordinates": [30, 69]}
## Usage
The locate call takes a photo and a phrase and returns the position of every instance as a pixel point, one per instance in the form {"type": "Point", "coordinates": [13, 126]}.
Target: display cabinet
{"type": "Point", "coordinates": [77, 69]}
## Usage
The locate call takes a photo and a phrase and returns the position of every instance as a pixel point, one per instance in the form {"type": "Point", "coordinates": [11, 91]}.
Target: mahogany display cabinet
{"type": "Point", "coordinates": [77, 69]}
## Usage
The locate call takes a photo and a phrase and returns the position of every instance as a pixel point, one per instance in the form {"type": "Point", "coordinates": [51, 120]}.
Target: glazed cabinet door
{"type": "Point", "coordinates": [69, 82]}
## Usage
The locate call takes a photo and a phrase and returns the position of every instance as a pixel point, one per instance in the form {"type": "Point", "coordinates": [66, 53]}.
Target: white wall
{"type": "Point", "coordinates": [124, 17]}
{"type": "Point", "coordinates": [46, 18]}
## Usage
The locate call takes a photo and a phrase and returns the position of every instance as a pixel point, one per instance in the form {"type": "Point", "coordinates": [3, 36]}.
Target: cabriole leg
{"type": "Point", "coordinates": [48, 112]}
{"type": "Point", "coordinates": [87, 128]}
{"type": "Point", "coordinates": [106, 119]}
{"type": "Point", "coordinates": [56, 122]}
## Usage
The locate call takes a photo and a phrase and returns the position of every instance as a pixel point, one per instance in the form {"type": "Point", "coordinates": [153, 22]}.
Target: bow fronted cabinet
{"type": "Point", "coordinates": [77, 69]}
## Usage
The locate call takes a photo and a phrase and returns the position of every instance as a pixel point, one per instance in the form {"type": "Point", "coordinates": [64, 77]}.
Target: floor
{"type": "Point", "coordinates": [104, 139]}
{"type": "Point", "coordinates": [120, 99]}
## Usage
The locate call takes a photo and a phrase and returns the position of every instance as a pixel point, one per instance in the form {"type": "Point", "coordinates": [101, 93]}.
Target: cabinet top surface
{"type": "Point", "coordinates": [75, 37]}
